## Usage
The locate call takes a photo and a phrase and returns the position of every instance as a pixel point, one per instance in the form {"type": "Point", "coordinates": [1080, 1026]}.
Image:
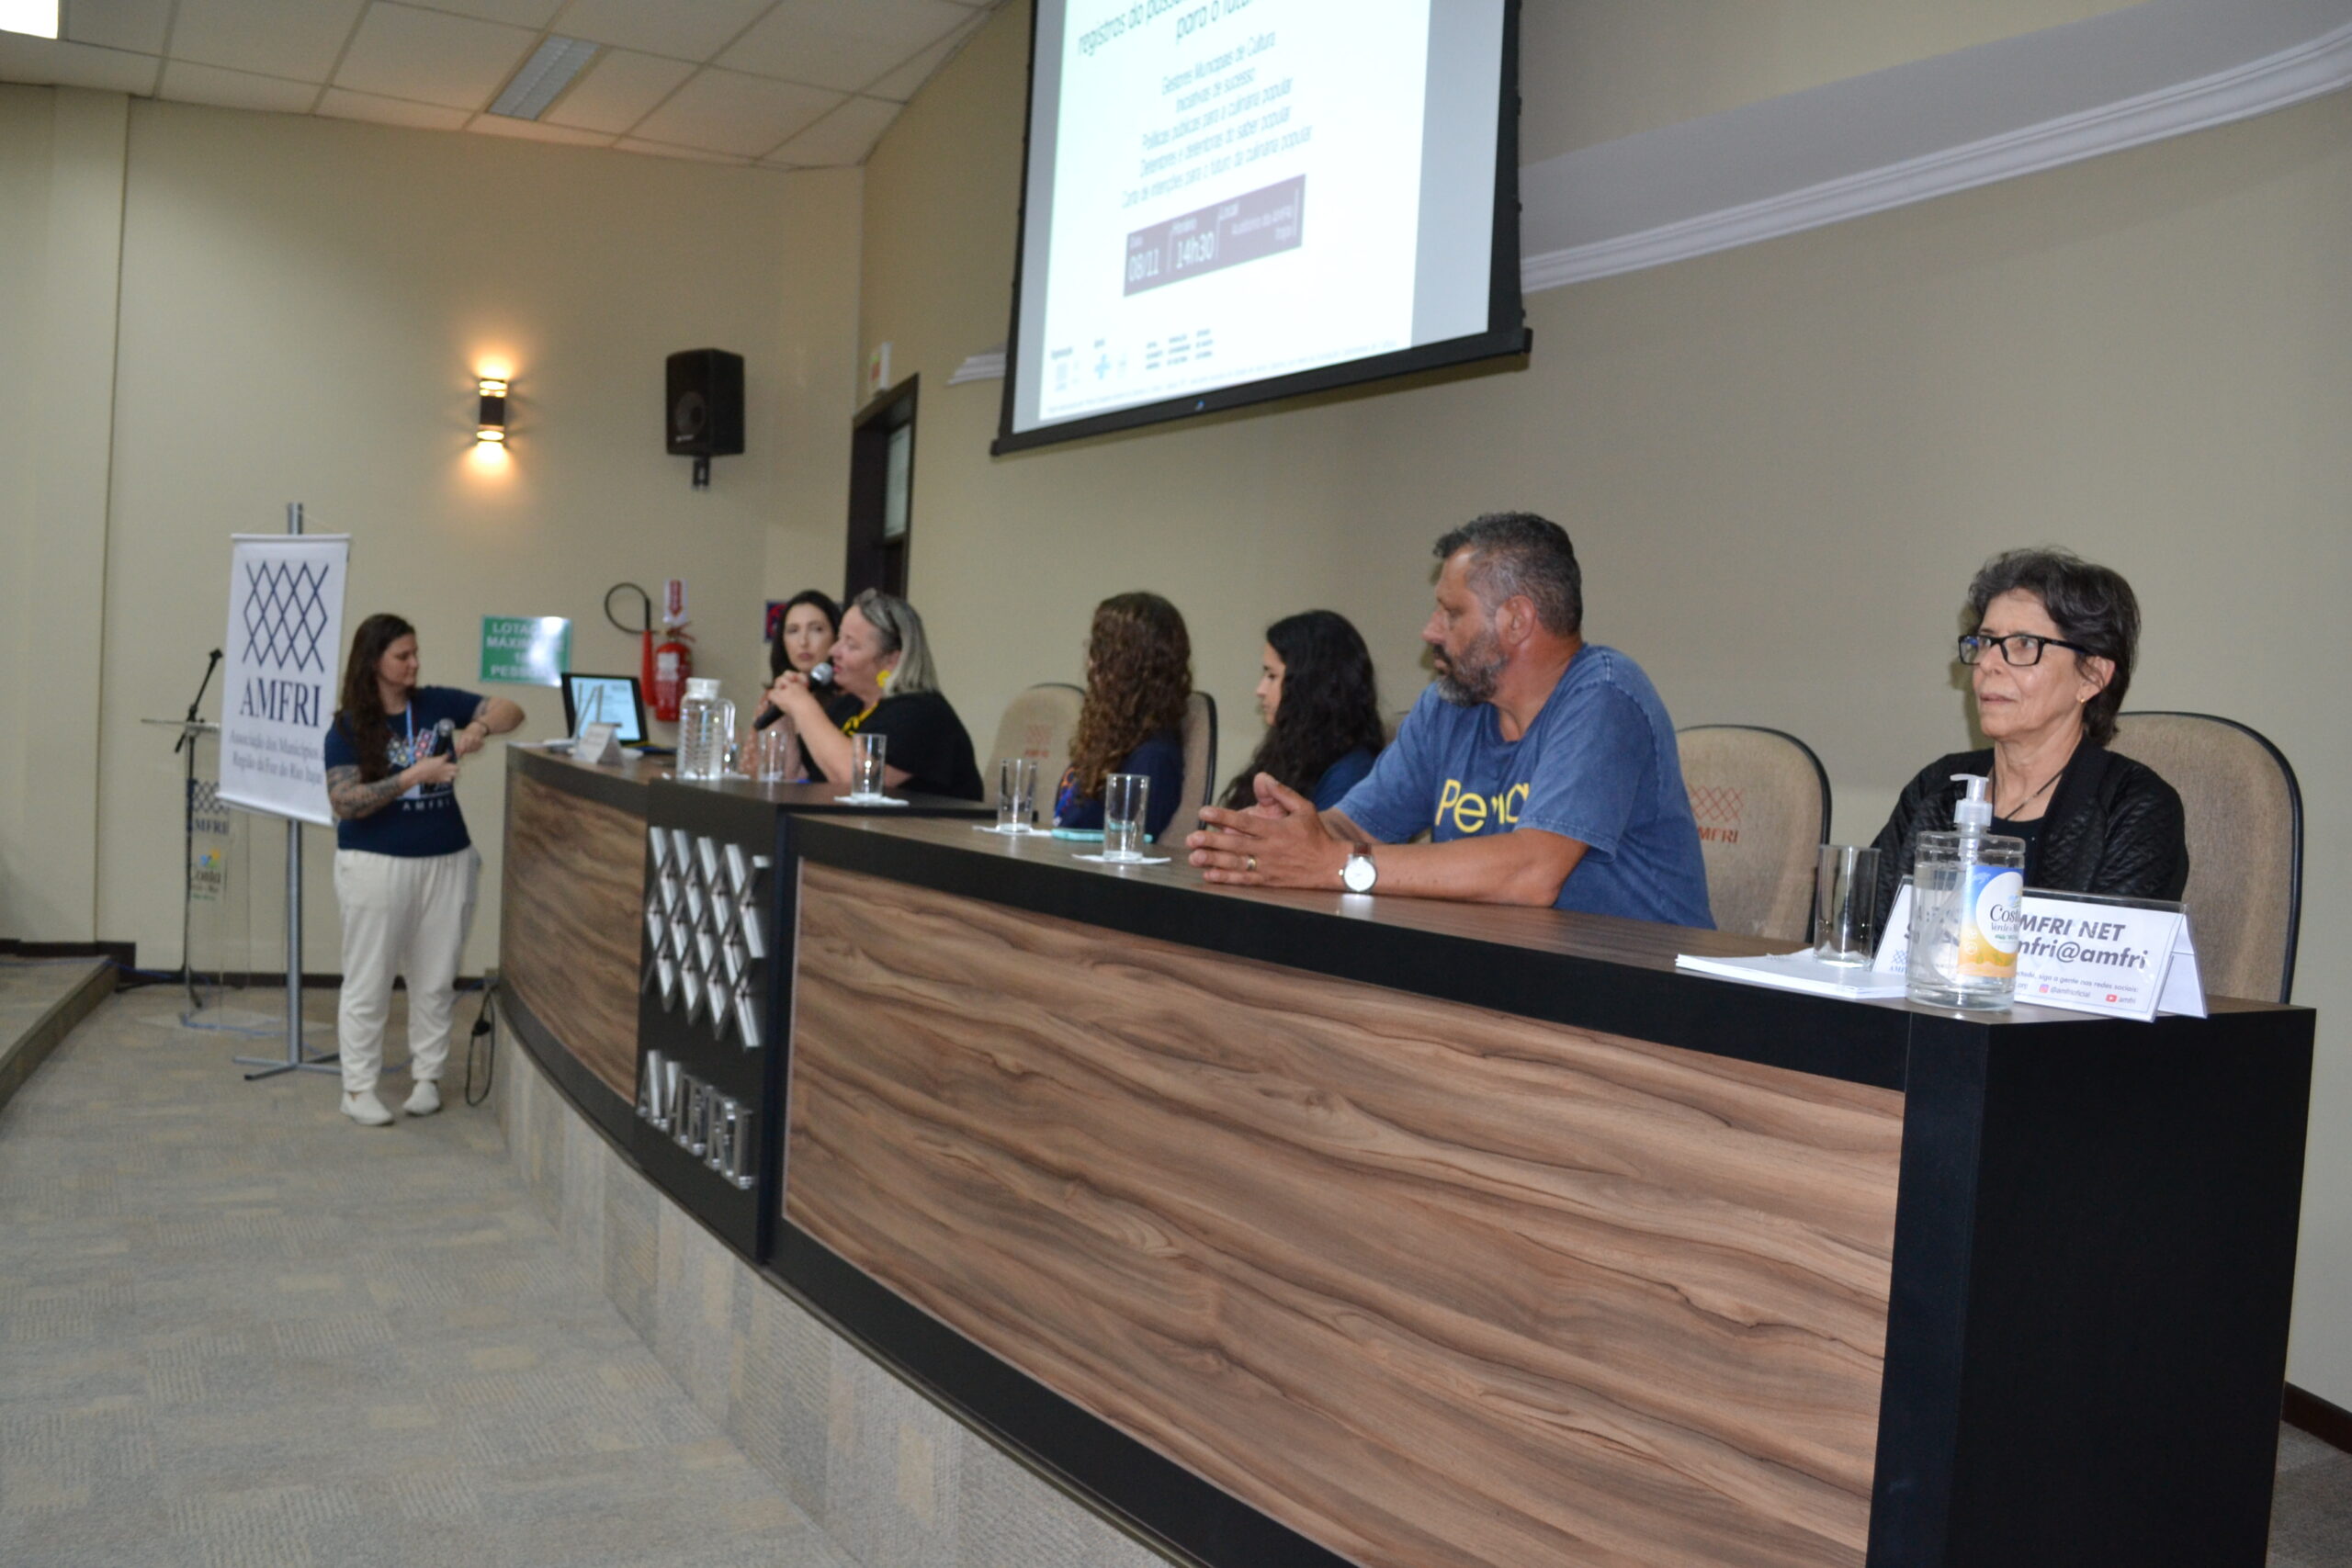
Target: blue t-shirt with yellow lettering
{"type": "Point", "coordinates": [1598, 765]}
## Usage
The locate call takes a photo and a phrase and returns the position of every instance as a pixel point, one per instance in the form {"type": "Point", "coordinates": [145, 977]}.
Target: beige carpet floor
{"type": "Point", "coordinates": [237, 1331]}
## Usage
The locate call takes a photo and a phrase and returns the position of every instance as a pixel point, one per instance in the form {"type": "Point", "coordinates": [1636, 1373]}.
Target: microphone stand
{"type": "Point", "coordinates": [187, 831]}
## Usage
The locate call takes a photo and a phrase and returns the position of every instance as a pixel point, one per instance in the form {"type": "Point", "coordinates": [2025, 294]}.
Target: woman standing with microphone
{"type": "Point", "coordinates": [404, 867]}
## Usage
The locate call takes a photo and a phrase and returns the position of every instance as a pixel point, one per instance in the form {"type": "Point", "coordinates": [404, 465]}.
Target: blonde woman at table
{"type": "Point", "coordinates": [883, 659]}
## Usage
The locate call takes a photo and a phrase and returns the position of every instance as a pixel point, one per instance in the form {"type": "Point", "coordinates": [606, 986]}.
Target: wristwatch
{"type": "Point", "coordinates": [1358, 874]}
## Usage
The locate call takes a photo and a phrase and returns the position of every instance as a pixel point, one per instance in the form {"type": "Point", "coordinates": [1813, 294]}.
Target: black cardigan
{"type": "Point", "coordinates": [2113, 826]}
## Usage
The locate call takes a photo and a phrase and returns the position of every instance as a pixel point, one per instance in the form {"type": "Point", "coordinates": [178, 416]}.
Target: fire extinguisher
{"type": "Point", "coordinates": [663, 667]}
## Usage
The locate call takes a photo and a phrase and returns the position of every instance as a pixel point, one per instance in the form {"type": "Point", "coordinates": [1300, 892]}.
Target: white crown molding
{"type": "Point", "coordinates": [985, 366]}
{"type": "Point", "coordinates": [1625, 175]}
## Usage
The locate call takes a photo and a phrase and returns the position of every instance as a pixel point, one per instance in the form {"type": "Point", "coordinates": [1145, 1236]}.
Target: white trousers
{"type": "Point", "coordinates": [402, 915]}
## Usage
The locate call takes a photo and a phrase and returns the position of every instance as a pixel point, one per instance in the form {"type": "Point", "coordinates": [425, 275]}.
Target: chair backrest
{"type": "Point", "coordinates": [1038, 724]}
{"type": "Point", "coordinates": [1762, 801]}
{"type": "Point", "coordinates": [2246, 845]}
{"type": "Point", "coordinates": [1200, 759]}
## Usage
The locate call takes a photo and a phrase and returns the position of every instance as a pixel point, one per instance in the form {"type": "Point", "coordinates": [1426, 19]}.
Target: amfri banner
{"type": "Point", "coordinates": [285, 636]}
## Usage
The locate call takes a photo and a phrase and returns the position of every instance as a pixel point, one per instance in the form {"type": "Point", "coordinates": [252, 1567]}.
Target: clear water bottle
{"type": "Point", "coordinates": [706, 728]}
{"type": "Point", "coordinates": [1966, 888]}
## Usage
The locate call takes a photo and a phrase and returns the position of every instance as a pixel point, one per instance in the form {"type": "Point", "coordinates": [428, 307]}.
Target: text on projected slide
{"type": "Point", "coordinates": [1205, 125]}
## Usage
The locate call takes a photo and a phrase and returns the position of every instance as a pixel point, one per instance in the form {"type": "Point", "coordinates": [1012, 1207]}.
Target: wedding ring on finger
{"type": "Point", "coordinates": [1251, 863]}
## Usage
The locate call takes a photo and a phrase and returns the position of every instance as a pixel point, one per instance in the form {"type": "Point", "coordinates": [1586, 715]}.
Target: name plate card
{"type": "Point", "coordinates": [598, 743]}
{"type": "Point", "coordinates": [2086, 952]}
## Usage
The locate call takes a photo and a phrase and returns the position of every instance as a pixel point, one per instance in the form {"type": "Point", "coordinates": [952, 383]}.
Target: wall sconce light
{"type": "Point", "coordinates": [492, 424]}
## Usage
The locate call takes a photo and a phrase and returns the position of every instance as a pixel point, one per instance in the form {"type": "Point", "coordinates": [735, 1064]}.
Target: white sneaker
{"type": "Point", "coordinates": [423, 1099]}
{"type": "Point", "coordinates": [366, 1110]}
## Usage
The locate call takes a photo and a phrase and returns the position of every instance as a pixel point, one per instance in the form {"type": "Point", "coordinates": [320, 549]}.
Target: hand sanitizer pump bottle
{"type": "Point", "coordinates": [1965, 890]}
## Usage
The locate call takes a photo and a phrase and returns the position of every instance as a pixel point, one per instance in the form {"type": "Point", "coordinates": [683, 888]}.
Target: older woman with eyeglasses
{"type": "Point", "coordinates": [2049, 657]}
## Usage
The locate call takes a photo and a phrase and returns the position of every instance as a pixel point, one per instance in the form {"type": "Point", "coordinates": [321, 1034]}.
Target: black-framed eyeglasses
{"type": "Point", "coordinates": [2018, 648]}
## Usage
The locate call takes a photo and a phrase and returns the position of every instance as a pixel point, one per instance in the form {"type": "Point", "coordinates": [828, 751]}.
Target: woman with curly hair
{"type": "Point", "coordinates": [1139, 680]}
{"type": "Point", "coordinates": [1321, 705]}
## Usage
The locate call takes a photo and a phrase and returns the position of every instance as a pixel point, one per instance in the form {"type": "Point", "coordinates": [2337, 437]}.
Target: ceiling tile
{"type": "Point", "coordinates": [345, 104]}
{"type": "Point", "coordinates": [295, 39]}
{"type": "Point", "coordinates": [901, 83]}
{"type": "Point", "coordinates": [692, 155]}
{"type": "Point", "coordinates": [844, 136]}
{"type": "Point", "coordinates": [532, 130]}
{"type": "Point", "coordinates": [531, 14]}
{"type": "Point", "coordinates": [403, 52]}
{"type": "Point", "coordinates": [192, 83]}
{"type": "Point", "coordinates": [727, 112]}
{"type": "Point", "coordinates": [616, 91]}
{"type": "Point", "coordinates": [55, 63]}
{"type": "Point", "coordinates": [844, 46]}
{"type": "Point", "coordinates": [683, 30]}
{"type": "Point", "coordinates": [119, 23]}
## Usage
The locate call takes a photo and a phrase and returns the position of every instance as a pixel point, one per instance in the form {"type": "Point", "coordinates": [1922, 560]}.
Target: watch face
{"type": "Point", "coordinates": [1358, 875]}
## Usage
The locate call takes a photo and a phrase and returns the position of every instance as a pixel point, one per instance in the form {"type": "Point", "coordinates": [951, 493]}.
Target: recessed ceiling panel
{"type": "Point", "coordinates": [621, 89]}
{"type": "Point", "coordinates": [531, 14]}
{"type": "Point", "coordinates": [192, 84]}
{"type": "Point", "coordinates": [901, 85]}
{"type": "Point", "coordinates": [684, 29]}
{"type": "Point", "coordinates": [297, 39]}
{"type": "Point", "coordinates": [844, 136]}
{"type": "Point", "coordinates": [118, 24]}
{"type": "Point", "coordinates": [345, 105]}
{"type": "Point", "coordinates": [691, 154]}
{"type": "Point", "coordinates": [833, 45]}
{"type": "Point", "coordinates": [54, 62]}
{"type": "Point", "coordinates": [729, 112]}
{"type": "Point", "coordinates": [536, 130]}
{"type": "Point", "coordinates": [401, 52]}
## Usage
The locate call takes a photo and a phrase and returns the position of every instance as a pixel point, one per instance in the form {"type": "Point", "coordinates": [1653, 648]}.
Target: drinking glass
{"type": "Point", "coordinates": [1845, 922]}
{"type": "Point", "coordinates": [1016, 790]}
{"type": "Point", "coordinates": [1126, 798]}
{"type": "Point", "coordinates": [772, 752]}
{"type": "Point", "coordinates": [865, 764]}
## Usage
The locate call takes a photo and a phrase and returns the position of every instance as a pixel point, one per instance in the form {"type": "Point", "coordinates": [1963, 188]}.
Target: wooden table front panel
{"type": "Point", "coordinates": [568, 939]}
{"type": "Point", "coordinates": [1429, 1284]}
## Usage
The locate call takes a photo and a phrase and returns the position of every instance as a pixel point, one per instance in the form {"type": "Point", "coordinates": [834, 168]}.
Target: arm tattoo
{"type": "Point", "coordinates": [348, 797]}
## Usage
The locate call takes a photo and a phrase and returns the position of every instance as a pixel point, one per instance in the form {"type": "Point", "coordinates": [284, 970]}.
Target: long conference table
{"type": "Point", "coordinates": [1311, 1228]}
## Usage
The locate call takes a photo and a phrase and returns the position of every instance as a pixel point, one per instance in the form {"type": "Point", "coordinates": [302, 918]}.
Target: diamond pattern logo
{"type": "Point", "coordinates": [285, 614]}
{"type": "Point", "coordinates": [1716, 805]}
{"type": "Point", "coordinates": [703, 934]}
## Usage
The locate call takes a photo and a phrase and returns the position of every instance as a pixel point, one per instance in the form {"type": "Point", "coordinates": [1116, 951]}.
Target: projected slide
{"type": "Point", "coordinates": [1225, 191]}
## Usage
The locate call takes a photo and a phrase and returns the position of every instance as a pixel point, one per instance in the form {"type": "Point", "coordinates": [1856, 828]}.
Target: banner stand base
{"type": "Point", "coordinates": [271, 1067]}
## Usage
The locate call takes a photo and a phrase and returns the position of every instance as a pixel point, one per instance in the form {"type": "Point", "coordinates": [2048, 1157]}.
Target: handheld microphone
{"type": "Point", "coordinates": [442, 733]}
{"type": "Point", "coordinates": [769, 713]}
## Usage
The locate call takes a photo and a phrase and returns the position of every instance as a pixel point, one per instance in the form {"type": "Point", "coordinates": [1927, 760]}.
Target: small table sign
{"type": "Point", "coordinates": [2086, 953]}
{"type": "Point", "coordinates": [599, 743]}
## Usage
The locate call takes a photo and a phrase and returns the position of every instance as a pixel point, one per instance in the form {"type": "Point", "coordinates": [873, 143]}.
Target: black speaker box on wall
{"type": "Point", "coordinates": [705, 403]}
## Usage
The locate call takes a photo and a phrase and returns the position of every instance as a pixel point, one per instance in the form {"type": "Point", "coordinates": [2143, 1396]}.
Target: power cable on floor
{"type": "Point", "coordinates": [484, 1039]}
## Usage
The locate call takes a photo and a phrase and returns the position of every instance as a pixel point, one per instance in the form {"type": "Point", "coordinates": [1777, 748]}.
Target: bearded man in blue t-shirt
{"type": "Point", "coordinates": [1543, 767]}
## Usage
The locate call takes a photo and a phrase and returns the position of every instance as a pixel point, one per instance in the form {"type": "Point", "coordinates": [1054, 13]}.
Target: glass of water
{"type": "Point", "coordinates": [1016, 791]}
{"type": "Point", "coordinates": [865, 753]}
{"type": "Point", "coordinates": [771, 751]}
{"type": "Point", "coordinates": [1125, 800]}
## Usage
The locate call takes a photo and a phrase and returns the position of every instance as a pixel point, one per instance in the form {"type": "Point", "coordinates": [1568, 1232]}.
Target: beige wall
{"type": "Point", "coordinates": [1781, 465]}
{"type": "Point", "coordinates": [60, 192]}
{"type": "Point", "coordinates": [303, 305]}
{"type": "Point", "coordinates": [1597, 70]}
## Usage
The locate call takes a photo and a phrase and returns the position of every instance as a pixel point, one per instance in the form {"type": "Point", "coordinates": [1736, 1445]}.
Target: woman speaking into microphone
{"type": "Point", "coordinates": [404, 868]}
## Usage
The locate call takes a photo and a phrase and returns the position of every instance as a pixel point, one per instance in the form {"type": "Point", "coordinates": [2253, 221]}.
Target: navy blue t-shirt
{"type": "Point", "coordinates": [1342, 776]}
{"type": "Point", "coordinates": [425, 821]}
{"type": "Point", "coordinates": [1160, 760]}
{"type": "Point", "coordinates": [1599, 765]}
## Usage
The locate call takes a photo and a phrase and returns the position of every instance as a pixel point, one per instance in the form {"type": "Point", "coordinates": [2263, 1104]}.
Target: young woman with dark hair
{"type": "Point", "coordinates": [1320, 701]}
{"type": "Point", "coordinates": [1139, 682]}
{"type": "Point", "coordinates": [805, 634]}
{"type": "Point", "coordinates": [404, 867]}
